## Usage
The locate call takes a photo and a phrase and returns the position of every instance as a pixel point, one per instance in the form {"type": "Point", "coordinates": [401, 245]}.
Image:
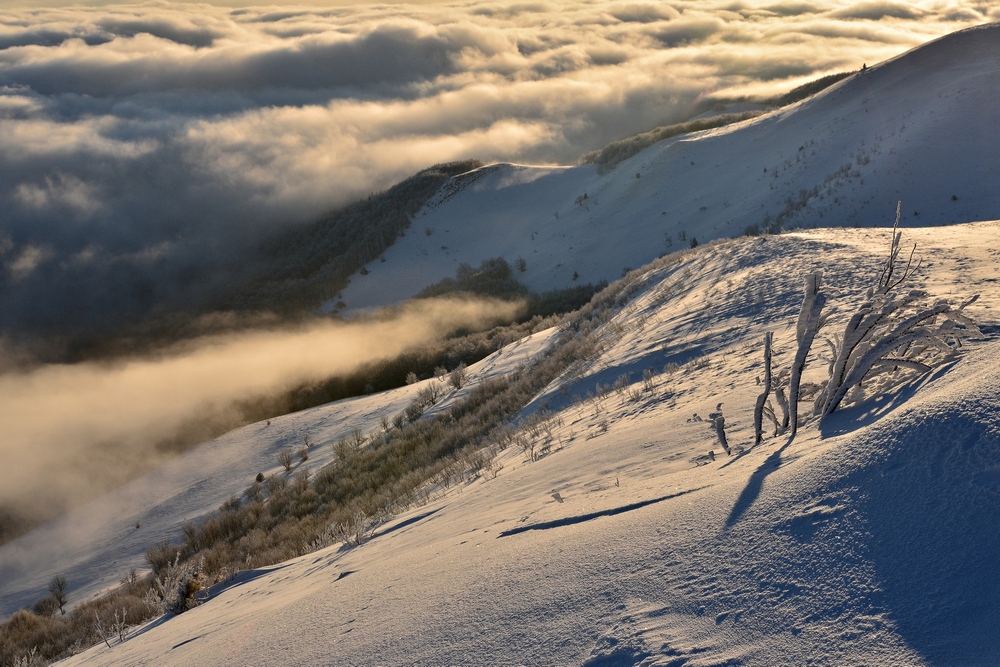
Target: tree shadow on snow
{"type": "Point", "coordinates": [850, 419]}
{"type": "Point", "coordinates": [754, 485]}
{"type": "Point", "coordinates": [406, 522]}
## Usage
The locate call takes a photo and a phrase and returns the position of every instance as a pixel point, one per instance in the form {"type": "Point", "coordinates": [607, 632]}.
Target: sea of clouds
{"type": "Point", "coordinates": [142, 144]}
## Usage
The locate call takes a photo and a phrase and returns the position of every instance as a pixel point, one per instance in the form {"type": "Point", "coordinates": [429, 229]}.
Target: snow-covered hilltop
{"type": "Point", "coordinates": [919, 128]}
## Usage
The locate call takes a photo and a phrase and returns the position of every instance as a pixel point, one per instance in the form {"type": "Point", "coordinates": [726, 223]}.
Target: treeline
{"type": "Point", "coordinates": [617, 152]}
{"type": "Point", "coordinates": [495, 278]}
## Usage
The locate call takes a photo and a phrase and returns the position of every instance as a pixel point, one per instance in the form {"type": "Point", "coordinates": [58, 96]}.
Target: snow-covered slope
{"type": "Point", "coordinates": [95, 545]}
{"type": "Point", "coordinates": [919, 128]}
{"type": "Point", "coordinates": [871, 541]}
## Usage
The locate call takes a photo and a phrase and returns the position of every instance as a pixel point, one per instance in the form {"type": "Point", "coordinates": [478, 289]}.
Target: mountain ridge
{"type": "Point", "coordinates": [915, 129]}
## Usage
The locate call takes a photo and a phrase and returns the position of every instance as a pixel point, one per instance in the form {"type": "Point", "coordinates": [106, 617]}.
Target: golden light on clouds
{"type": "Point", "coordinates": [208, 121]}
{"type": "Point", "coordinates": [74, 430]}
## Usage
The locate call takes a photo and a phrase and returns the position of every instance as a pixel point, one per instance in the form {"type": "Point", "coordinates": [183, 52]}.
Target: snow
{"type": "Point", "coordinates": [918, 128]}
{"type": "Point", "coordinates": [868, 539]}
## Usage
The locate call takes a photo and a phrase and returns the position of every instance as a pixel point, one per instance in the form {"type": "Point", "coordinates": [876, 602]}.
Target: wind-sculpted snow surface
{"type": "Point", "coordinates": [870, 540]}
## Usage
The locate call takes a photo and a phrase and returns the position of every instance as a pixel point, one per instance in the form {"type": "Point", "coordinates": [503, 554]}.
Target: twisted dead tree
{"type": "Point", "coordinates": [893, 330]}
{"type": "Point", "coordinates": [809, 323]}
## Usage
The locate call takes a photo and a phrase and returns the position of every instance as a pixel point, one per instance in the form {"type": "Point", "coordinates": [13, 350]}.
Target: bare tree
{"type": "Point", "coordinates": [892, 331]}
{"type": "Point", "coordinates": [430, 394]}
{"type": "Point", "coordinates": [59, 589]}
{"type": "Point", "coordinates": [458, 376]}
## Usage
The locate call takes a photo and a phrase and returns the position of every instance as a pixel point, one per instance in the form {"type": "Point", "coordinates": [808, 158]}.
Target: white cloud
{"type": "Point", "coordinates": [29, 259]}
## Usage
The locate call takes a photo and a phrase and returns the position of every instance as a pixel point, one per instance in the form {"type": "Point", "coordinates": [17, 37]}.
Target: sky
{"type": "Point", "coordinates": [141, 145]}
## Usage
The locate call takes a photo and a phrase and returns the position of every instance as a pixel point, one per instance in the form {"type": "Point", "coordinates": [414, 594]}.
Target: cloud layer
{"type": "Point", "coordinates": [73, 431]}
{"type": "Point", "coordinates": [141, 144]}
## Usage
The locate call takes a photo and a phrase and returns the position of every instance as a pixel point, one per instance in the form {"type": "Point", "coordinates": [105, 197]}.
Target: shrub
{"type": "Point", "coordinates": [27, 638]}
{"type": "Point", "coordinates": [458, 376]}
{"type": "Point", "coordinates": [176, 589]}
{"type": "Point", "coordinates": [25, 632]}
{"type": "Point", "coordinates": [46, 606]}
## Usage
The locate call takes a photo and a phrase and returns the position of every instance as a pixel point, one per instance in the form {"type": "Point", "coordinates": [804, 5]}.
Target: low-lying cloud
{"type": "Point", "coordinates": [141, 144]}
{"type": "Point", "coordinates": [72, 431]}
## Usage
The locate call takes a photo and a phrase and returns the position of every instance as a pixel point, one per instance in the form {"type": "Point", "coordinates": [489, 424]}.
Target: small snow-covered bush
{"type": "Point", "coordinates": [176, 589]}
{"type": "Point", "coordinates": [648, 380]}
{"type": "Point", "coordinates": [718, 423]}
{"type": "Point", "coordinates": [893, 331]}
{"type": "Point", "coordinates": [354, 531]}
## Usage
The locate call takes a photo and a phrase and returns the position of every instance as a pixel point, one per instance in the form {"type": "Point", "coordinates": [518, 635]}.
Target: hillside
{"type": "Point", "coordinates": [916, 128]}
{"type": "Point", "coordinates": [868, 539]}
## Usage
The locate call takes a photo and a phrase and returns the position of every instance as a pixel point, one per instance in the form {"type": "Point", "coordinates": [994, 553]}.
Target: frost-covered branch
{"type": "Point", "coordinates": [719, 425]}
{"type": "Point", "coordinates": [810, 321]}
{"type": "Point", "coordinates": [886, 281]}
{"type": "Point", "coordinates": [758, 410]}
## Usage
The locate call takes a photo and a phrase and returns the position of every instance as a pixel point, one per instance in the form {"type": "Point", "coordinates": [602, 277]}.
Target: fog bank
{"type": "Point", "coordinates": [71, 432]}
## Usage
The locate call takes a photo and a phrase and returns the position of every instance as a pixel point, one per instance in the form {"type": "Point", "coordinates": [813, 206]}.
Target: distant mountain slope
{"type": "Point", "coordinates": [299, 268]}
{"type": "Point", "coordinates": [919, 128]}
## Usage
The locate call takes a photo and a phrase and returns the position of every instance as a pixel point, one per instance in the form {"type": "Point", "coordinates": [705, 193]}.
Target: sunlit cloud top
{"type": "Point", "coordinates": [138, 143]}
